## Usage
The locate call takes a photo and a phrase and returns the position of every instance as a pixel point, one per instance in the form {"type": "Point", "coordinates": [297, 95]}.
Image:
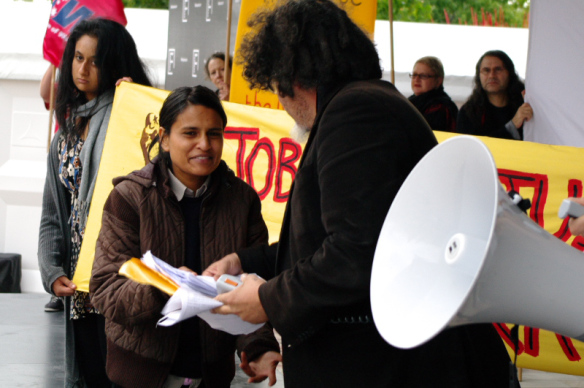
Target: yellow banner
{"type": "Point", "coordinates": [362, 12]}
{"type": "Point", "coordinates": [545, 175]}
{"type": "Point", "coordinates": [258, 150]}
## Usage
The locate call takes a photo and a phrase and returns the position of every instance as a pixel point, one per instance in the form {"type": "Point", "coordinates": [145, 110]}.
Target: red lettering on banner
{"type": "Point", "coordinates": [263, 144]}
{"type": "Point", "coordinates": [241, 134]}
{"type": "Point", "coordinates": [515, 180]}
{"type": "Point", "coordinates": [531, 341]}
{"type": "Point", "coordinates": [505, 333]}
{"type": "Point", "coordinates": [578, 243]}
{"type": "Point", "coordinates": [568, 348]}
{"type": "Point", "coordinates": [530, 344]}
{"type": "Point", "coordinates": [288, 155]}
{"type": "Point", "coordinates": [256, 102]}
{"type": "Point", "coordinates": [286, 163]}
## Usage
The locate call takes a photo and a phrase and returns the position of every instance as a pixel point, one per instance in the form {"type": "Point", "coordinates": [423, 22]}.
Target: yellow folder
{"type": "Point", "coordinates": [137, 271]}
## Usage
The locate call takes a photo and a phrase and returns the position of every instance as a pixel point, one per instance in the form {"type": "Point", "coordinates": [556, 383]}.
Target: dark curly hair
{"type": "Point", "coordinates": [116, 57]}
{"type": "Point", "coordinates": [476, 103]}
{"type": "Point", "coordinates": [308, 43]}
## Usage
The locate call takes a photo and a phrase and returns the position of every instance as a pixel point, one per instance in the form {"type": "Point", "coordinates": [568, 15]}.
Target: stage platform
{"type": "Point", "coordinates": [32, 349]}
{"type": "Point", "coordinates": [32, 344]}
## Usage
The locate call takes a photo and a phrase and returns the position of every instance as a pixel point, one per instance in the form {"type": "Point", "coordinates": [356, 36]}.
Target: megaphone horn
{"type": "Point", "coordinates": [454, 249]}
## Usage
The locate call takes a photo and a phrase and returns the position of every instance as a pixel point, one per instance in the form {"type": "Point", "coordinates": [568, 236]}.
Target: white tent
{"type": "Point", "coordinates": [553, 73]}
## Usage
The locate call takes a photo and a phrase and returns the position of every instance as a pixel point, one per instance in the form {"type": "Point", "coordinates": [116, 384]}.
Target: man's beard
{"type": "Point", "coordinates": [299, 133]}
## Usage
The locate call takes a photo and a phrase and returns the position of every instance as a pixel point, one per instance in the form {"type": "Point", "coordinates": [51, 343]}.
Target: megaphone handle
{"type": "Point", "coordinates": [570, 208]}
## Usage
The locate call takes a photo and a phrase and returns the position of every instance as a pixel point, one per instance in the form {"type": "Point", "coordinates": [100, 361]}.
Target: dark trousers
{"type": "Point", "coordinates": [91, 349]}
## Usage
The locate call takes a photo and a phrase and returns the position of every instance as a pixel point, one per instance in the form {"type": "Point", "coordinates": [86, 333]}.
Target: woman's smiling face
{"type": "Point", "coordinates": [195, 144]}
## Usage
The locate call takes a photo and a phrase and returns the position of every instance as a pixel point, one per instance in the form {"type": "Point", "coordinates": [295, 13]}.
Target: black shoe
{"type": "Point", "coordinates": [55, 304]}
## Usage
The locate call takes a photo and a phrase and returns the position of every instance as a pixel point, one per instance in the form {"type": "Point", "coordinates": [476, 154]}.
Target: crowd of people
{"type": "Point", "coordinates": [189, 209]}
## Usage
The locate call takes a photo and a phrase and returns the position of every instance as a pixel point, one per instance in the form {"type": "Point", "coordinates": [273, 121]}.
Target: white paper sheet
{"type": "Point", "coordinates": [186, 303]}
{"type": "Point", "coordinates": [195, 297]}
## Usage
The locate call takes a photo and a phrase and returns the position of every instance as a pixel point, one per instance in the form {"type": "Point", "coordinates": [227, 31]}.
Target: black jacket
{"type": "Point", "coordinates": [437, 108]}
{"type": "Point", "coordinates": [366, 139]}
{"type": "Point", "coordinates": [492, 121]}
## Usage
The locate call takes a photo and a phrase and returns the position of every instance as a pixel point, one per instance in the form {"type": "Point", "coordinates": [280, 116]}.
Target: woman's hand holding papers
{"type": "Point", "coordinates": [244, 301]}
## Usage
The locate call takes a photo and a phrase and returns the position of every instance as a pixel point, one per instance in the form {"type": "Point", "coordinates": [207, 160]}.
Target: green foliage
{"type": "Point", "coordinates": [512, 13]}
{"type": "Point", "coordinates": [159, 4]}
{"type": "Point", "coordinates": [502, 12]}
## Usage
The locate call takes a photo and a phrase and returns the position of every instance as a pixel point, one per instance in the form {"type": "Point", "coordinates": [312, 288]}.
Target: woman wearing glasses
{"type": "Point", "coordinates": [429, 97]}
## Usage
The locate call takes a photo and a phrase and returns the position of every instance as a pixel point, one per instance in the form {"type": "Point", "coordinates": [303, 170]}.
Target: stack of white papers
{"type": "Point", "coordinates": [195, 297]}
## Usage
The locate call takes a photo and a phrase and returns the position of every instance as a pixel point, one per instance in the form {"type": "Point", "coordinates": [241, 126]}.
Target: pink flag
{"type": "Point", "coordinates": [65, 14]}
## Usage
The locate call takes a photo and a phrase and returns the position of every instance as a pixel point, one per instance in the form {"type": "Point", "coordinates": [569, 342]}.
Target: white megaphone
{"type": "Point", "coordinates": [454, 249]}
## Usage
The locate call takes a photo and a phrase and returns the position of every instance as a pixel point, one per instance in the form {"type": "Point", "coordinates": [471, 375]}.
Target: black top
{"type": "Point", "coordinates": [492, 121]}
{"type": "Point", "coordinates": [188, 360]}
{"type": "Point", "coordinates": [437, 108]}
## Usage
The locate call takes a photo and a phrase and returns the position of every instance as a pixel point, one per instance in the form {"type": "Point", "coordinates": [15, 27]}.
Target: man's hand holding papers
{"type": "Point", "coordinates": [194, 296]}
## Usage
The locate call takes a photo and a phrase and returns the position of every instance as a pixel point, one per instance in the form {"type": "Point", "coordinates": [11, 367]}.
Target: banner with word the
{"type": "Point", "coordinates": [256, 147]}
{"type": "Point", "coordinates": [545, 175]}
{"type": "Point", "coordinates": [363, 13]}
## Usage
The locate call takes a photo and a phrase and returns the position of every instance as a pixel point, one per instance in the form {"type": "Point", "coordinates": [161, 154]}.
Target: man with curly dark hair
{"type": "Point", "coordinates": [364, 139]}
{"type": "Point", "coordinates": [496, 107]}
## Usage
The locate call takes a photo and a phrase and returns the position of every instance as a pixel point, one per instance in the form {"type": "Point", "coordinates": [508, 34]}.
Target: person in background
{"type": "Point", "coordinates": [215, 70]}
{"type": "Point", "coordinates": [365, 138]}
{"type": "Point", "coordinates": [429, 96]}
{"type": "Point", "coordinates": [189, 209]}
{"type": "Point", "coordinates": [496, 107]}
{"type": "Point", "coordinates": [97, 54]}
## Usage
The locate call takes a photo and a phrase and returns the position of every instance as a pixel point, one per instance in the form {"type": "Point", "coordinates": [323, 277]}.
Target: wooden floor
{"type": "Point", "coordinates": [32, 349]}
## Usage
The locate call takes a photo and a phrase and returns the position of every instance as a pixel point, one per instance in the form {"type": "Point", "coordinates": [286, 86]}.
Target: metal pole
{"type": "Point", "coordinates": [227, 46]}
{"type": "Point", "coordinates": [51, 108]}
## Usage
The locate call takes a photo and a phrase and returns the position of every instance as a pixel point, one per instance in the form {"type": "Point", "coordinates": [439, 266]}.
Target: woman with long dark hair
{"type": "Point", "coordinates": [496, 107]}
{"type": "Point", "coordinates": [98, 52]}
{"type": "Point", "coordinates": [189, 209]}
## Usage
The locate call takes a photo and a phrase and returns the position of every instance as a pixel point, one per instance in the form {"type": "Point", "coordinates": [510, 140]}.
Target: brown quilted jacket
{"type": "Point", "coordinates": [141, 214]}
